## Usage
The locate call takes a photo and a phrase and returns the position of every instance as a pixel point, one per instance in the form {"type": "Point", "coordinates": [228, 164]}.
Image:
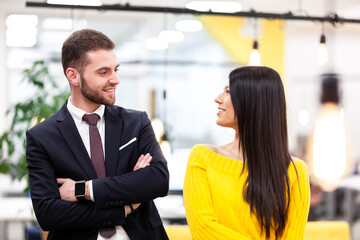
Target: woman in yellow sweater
{"type": "Point", "coordinates": [250, 188]}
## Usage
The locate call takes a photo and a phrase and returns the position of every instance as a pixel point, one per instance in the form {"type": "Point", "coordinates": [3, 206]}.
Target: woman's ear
{"type": "Point", "coordinates": [73, 76]}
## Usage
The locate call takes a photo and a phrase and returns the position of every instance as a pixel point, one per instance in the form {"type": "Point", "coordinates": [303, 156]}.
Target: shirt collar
{"type": "Point", "coordinates": [78, 113]}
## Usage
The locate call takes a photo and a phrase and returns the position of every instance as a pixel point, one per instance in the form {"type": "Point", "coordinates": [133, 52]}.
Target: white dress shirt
{"type": "Point", "coordinates": [83, 128]}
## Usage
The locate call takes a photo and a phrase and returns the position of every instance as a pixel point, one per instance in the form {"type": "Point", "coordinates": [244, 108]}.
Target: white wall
{"type": "Point", "coordinates": [3, 75]}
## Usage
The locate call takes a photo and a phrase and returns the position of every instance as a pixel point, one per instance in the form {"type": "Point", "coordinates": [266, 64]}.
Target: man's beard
{"type": "Point", "coordinates": [94, 95]}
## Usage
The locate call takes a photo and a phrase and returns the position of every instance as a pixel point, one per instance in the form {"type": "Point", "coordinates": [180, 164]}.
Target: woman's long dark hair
{"type": "Point", "coordinates": [257, 94]}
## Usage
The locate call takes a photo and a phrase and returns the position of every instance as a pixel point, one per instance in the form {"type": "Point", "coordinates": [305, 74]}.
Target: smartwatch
{"type": "Point", "coordinates": [80, 190]}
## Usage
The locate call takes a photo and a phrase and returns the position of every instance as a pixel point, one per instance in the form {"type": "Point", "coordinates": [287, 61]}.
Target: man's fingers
{"type": "Point", "coordinates": [61, 180]}
{"type": "Point", "coordinates": [143, 161]}
{"type": "Point", "coordinates": [148, 160]}
{"type": "Point", "coordinates": [138, 162]}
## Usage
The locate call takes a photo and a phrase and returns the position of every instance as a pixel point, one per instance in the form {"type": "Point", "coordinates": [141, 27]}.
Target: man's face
{"type": "Point", "coordinates": [99, 79]}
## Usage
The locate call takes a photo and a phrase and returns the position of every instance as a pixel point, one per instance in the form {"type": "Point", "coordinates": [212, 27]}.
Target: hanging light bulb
{"type": "Point", "coordinates": [255, 55]}
{"type": "Point", "coordinates": [165, 147]}
{"type": "Point", "coordinates": [328, 154]}
{"type": "Point", "coordinates": [323, 52]}
{"type": "Point", "coordinates": [158, 127]}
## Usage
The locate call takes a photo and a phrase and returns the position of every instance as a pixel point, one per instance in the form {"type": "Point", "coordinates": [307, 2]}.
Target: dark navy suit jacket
{"type": "Point", "coordinates": [55, 150]}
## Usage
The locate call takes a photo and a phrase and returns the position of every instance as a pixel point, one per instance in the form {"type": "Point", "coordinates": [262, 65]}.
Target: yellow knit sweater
{"type": "Point", "coordinates": [214, 203]}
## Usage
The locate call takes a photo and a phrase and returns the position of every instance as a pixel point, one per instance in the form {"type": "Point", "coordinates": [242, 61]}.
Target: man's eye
{"type": "Point", "coordinates": [103, 73]}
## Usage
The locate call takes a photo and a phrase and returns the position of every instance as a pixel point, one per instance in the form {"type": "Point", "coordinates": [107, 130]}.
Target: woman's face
{"type": "Point", "coordinates": [226, 114]}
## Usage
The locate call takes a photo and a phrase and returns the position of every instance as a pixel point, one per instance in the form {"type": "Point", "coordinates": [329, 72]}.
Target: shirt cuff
{"type": "Point", "coordinates": [91, 191]}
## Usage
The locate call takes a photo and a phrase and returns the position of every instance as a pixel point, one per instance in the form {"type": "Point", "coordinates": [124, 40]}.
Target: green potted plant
{"type": "Point", "coordinates": [26, 114]}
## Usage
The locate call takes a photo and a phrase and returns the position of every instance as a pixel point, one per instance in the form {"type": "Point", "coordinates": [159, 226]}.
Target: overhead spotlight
{"type": "Point", "coordinates": [323, 52]}
{"type": "Point", "coordinates": [255, 55]}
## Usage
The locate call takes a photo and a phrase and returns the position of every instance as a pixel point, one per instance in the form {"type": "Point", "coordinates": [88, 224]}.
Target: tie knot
{"type": "Point", "coordinates": [91, 119]}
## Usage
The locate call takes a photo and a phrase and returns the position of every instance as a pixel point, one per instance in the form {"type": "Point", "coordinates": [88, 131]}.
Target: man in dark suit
{"type": "Point", "coordinates": [95, 179]}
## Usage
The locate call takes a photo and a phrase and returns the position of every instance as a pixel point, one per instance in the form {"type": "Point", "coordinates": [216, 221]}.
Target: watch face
{"type": "Point", "coordinates": [80, 188]}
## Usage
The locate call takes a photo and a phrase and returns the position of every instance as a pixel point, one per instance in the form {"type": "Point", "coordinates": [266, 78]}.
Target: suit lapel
{"type": "Point", "coordinates": [113, 132]}
{"type": "Point", "coordinates": [67, 127]}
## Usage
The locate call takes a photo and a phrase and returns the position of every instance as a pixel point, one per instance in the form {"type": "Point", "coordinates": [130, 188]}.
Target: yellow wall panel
{"type": "Point", "coordinates": [228, 32]}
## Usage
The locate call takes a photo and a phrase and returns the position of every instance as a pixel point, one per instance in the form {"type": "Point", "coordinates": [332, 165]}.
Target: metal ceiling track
{"type": "Point", "coordinates": [331, 18]}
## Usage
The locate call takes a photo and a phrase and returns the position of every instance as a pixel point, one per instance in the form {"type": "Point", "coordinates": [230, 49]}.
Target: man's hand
{"type": "Point", "coordinates": [143, 161]}
{"type": "Point", "coordinates": [67, 189]}
{"type": "Point", "coordinates": [128, 209]}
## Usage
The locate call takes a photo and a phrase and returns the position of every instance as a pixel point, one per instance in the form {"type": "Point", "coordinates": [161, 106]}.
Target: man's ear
{"type": "Point", "coordinates": [73, 76]}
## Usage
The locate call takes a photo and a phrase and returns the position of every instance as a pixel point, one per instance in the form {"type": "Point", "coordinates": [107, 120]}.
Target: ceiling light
{"type": "Point", "coordinates": [172, 36]}
{"type": "Point", "coordinates": [214, 6]}
{"type": "Point", "coordinates": [76, 2]}
{"type": "Point", "coordinates": [188, 25]}
{"type": "Point", "coordinates": [21, 21]}
{"type": "Point", "coordinates": [156, 44]}
{"type": "Point", "coordinates": [21, 30]}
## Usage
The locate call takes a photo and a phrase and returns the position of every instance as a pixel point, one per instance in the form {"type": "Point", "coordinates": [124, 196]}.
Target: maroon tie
{"type": "Point", "coordinates": [97, 159]}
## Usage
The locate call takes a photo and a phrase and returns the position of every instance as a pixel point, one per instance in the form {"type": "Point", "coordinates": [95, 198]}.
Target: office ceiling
{"type": "Point", "coordinates": [345, 8]}
{"type": "Point", "coordinates": [122, 26]}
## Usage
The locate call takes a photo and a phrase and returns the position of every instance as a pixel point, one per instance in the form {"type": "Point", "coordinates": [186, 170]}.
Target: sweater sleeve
{"type": "Point", "coordinates": [299, 203]}
{"type": "Point", "coordinates": [200, 214]}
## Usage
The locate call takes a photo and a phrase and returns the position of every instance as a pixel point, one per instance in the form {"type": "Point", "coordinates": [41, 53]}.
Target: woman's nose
{"type": "Point", "coordinates": [218, 99]}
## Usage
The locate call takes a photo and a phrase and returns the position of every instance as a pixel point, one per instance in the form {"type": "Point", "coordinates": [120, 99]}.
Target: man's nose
{"type": "Point", "coordinates": [114, 79]}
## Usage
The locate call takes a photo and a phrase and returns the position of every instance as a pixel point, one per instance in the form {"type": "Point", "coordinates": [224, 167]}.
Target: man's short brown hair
{"type": "Point", "coordinates": [78, 44]}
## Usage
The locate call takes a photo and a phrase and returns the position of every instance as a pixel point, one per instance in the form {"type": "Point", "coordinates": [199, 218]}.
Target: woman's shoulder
{"type": "Point", "coordinates": [199, 153]}
{"type": "Point", "coordinates": [298, 167]}
{"type": "Point", "coordinates": [210, 147]}
{"type": "Point", "coordinates": [298, 162]}
{"type": "Point", "coordinates": [202, 149]}
{"type": "Point", "coordinates": [207, 150]}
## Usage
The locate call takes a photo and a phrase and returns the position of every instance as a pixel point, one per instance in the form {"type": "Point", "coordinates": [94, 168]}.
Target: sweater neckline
{"type": "Point", "coordinates": [222, 156]}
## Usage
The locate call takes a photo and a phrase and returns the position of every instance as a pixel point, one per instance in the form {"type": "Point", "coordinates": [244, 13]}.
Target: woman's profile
{"type": "Point", "coordinates": [250, 188]}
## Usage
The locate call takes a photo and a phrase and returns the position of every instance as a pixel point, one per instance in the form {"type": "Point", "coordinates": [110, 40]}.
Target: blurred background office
{"type": "Point", "coordinates": [173, 66]}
